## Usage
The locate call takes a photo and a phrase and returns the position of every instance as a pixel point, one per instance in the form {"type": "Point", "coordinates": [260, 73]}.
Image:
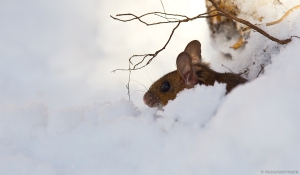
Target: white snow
{"type": "Point", "coordinates": [191, 113]}
{"type": "Point", "coordinates": [59, 117]}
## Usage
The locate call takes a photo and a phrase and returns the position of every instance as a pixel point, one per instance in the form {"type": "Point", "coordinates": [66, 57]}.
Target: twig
{"type": "Point", "coordinates": [128, 84]}
{"type": "Point", "coordinates": [185, 18]}
{"type": "Point", "coordinates": [228, 68]}
{"type": "Point", "coordinates": [295, 37]}
{"type": "Point", "coordinates": [165, 17]}
{"type": "Point", "coordinates": [247, 23]}
{"type": "Point", "coordinates": [213, 13]}
{"type": "Point", "coordinates": [262, 67]}
{"type": "Point", "coordinates": [152, 56]}
{"type": "Point", "coordinates": [162, 4]}
{"type": "Point", "coordinates": [274, 22]}
{"type": "Point", "coordinates": [284, 16]}
{"type": "Point", "coordinates": [217, 12]}
{"type": "Point", "coordinates": [245, 71]}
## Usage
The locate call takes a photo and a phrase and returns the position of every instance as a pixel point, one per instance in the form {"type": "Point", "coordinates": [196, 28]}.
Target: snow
{"type": "Point", "coordinates": [58, 116]}
{"type": "Point", "coordinates": [192, 113]}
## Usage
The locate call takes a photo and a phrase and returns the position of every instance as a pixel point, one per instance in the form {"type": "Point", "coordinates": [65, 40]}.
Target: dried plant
{"type": "Point", "coordinates": [178, 19]}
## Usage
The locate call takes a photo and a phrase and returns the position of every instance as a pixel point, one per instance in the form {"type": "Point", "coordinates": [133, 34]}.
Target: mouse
{"type": "Point", "coordinates": [191, 70]}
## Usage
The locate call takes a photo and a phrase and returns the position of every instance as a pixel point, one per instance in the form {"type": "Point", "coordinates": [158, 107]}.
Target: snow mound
{"type": "Point", "coordinates": [195, 111]}
{"type": "Point", "coordinates": [252, 130]}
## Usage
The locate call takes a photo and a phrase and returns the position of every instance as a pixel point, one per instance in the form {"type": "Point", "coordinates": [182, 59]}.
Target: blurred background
{"type": "Point", "coordinates": [62, 52]}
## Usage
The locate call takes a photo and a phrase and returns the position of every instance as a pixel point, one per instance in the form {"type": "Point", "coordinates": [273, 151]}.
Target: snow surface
{"type": "Point", "coordinates": [252, 130]}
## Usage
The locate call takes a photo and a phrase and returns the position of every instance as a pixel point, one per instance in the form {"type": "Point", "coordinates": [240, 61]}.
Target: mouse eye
{"type": "Point", "coordinates": [165, 86]}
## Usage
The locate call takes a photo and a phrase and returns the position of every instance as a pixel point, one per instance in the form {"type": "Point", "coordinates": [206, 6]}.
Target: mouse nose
{"type": "Point", "coordinates": [151, 100]}
{"type": "Point", "coordinates": [145, 99]}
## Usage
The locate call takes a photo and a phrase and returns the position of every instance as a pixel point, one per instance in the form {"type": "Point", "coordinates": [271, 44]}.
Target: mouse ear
{"type": "Point", "coordinates": [194, 49]}
{"type": "Point", "coordinates": [185, 69]}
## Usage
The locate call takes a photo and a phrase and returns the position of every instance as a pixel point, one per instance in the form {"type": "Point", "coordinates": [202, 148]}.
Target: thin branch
{"type": "Point", "coordinates": [173, 17]}
{"type": "Point", "coordinates": [165, 17]}
{"type": "Point", "coordinates": [217, 12]}
{"type": "Point", "coordinates": [273, 22]}
{"type": "Point", "coordinates": [284, 16]}
{"type": "Point", "coordinates": [152, 56]}
{"type": "Point", "coordinates": [244, 71]}
{"type": "Point", "coordinates": [185, 18]}
{"type": "Point", "coordinates": [295, 37]}
{"type": "Point", "coordinates": [162, 4]}
{"type": "Point", "coordinates": [247, 23]}
{"type": "Point", "coordinates": [227, 68]}
{"type": "Point", "coordinates": [128, 83]}
{"type": "Point", "coordinates": [262, 68]}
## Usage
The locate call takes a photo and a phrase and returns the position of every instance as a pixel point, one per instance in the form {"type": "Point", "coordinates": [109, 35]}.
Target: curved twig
{"type": "Point", "coordinates": [172, 18]}
{"type": "Point", "coordinates": [247, 23]}
{"type": "Point", "coordinates": [185, 18]}
{"type": "Point", "coordinates": [284, 16]}
{"type": "Point", "coordinates": [148, 55]}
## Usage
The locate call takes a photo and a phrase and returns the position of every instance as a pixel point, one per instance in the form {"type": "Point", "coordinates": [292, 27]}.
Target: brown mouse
{"type": "Point", "coordinates": [190, 71]}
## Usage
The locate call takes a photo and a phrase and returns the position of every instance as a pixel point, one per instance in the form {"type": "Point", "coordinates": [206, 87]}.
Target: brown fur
{"type": "Point", "coordinates": [190, 71]}
{"type": "Point", "coordinates": [208, 77]}
{"type": "Point", "coordinates": [157, 97]}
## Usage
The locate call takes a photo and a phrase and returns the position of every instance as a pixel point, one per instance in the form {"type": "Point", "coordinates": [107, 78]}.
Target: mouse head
{"type": "Point", "coordinates": [167, 87]}
{"type": "Point", "coordinates": [164, 89]}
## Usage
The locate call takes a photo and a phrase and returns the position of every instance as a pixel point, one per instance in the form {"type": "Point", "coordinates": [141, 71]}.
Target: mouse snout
{"type": "Point", "coordinates": [151, 99]}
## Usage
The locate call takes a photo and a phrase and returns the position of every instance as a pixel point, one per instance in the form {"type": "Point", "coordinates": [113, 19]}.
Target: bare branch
{"type": "Point", "coordinates": [274, 22]}
{"type": "Point", "coordinates": [173, 18]}
{"type": "Point", "coordinates": [262, 68]}
{"type": "Point", "coordinates": [247, 23]}
{"type": "Point", "coordinates": [162, 4]}
{"type": "Point", "coordinates": [152, 56]}
{"type": "Point", "coordinates": [228, 68]}
{"type": "Point", "coordinates": [295, 37]}
{"type": "Point", "coordinates": [185, 18]}
{"type": "Point", "coordinates": [284, 16]}
{"type": "Point", "coordinates": [128, 83]}
{"type": "Point", "coordinates": [244, 71]}
{"type": "Point", "coordinates": [165, 17]}
{"type": "Point", "coordinates": [217, 12]}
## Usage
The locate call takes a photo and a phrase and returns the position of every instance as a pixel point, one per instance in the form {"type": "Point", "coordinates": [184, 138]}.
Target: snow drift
{"type": "Point", "coordinates": [252, 130]}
